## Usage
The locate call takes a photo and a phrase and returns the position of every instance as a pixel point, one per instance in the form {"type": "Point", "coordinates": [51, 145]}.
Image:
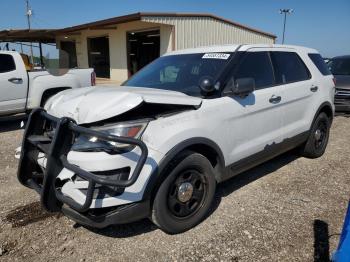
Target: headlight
{"type": "Point", "coordinates": [85, 143]}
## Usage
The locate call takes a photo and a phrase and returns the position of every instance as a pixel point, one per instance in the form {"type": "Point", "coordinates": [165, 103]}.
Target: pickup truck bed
{"type": "Point", "coordinates": [22, 90]}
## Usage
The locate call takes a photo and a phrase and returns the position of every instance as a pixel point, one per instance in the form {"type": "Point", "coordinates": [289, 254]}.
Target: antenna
{"type": "Point", "coordinates": [29, 13]}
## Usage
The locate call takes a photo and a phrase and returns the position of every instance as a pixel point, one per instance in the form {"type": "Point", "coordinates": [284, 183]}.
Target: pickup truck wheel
{"type": "Point", "coordinates": [317, 142]}
{"type": "Point", "coordinates": [185, 197]}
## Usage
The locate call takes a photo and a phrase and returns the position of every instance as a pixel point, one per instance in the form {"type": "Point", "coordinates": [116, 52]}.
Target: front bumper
{"type": "Point", "coordinates": [342, 100]}
{"type": "Point", "coordinates": [121, 215]}
{"type": "Point", "coordinates": [36, 142]}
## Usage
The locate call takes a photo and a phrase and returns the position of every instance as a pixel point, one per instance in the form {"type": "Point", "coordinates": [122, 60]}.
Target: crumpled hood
{"type": "Point", "coordinates": [92, 104]}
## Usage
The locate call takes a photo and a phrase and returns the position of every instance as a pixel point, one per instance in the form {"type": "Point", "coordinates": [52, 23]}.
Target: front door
{"type": "Point", "coordinates": [13, 85]}
{"type": "Point", "coordinates": [98, 49]}
{"type": "Point", "coordinates": [254, 122]}
{"type": "Point", "coordinates": [70, 48]}
{"type": "Point", "coordinates": [142, 48]}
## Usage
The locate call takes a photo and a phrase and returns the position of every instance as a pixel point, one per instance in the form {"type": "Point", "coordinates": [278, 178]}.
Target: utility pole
{"type": "Point", "coordinates": [285, 12]}
{"type": "Point", "coordinates": [29, 14]}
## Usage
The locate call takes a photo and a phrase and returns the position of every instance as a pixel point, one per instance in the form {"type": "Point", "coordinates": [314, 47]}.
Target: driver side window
{"type": "Point", "coordinates": [256, 65]}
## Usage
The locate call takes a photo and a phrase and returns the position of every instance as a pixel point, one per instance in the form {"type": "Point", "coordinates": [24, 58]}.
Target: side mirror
{"type": "Point", "coordinates": [244, 86]}
{"type": "Point", "coordinates": [206, 84]}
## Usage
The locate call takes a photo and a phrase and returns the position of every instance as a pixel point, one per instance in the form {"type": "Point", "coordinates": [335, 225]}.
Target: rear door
{"type": "Point", "coordinates": [298, 87]}
{"type": "Point", "coordinates": [13, 84]}
{"type": "Point", "coordinates": [258, 126]}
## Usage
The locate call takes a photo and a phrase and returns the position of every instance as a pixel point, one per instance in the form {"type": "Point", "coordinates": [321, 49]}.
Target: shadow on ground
{"type": "Point", "coordinates": [12, 123]}
{"type": "Point", "coordinates": [321, 241]}
{"type": "Point", "coordinates": [223, 189]}
{"type": "Point", "coordinates": [127, 230]}
{"type": "Point", "coordinates": [255, 173]}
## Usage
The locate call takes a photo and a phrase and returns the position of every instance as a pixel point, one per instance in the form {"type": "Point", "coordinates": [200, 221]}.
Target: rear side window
{"type": "Point", "coordinates": [320, 64]}
{"type": "Point", "coordinates": [7, 64]}
{"type": "Point", "coordinates": [289, 67]}
{"type": "Point", "coordinates": [256, 65]}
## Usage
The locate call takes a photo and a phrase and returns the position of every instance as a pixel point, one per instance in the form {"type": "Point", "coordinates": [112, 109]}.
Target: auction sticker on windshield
{"type": "Point", "coordinates": [216, 56]}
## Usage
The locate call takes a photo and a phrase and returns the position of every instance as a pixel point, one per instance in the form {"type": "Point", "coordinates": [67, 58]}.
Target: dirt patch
{"type": "Point", "coordinates": [28, 214]}
{"type": "Point", "coordinates": [288, 209]}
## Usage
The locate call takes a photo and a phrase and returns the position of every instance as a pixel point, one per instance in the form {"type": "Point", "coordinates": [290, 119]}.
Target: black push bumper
{"type": "Point", "coordinates": [54, 137]}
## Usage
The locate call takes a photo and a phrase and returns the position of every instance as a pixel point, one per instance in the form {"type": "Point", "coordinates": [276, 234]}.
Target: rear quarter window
{"type": "Point", "coordinates": [320, 64]}
{"type": "Point", "coordinates": [7, 64]}
{"type": "Point", "coordinates": [289, 67]}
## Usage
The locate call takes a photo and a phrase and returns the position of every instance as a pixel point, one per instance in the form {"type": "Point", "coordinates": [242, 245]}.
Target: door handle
{"type": "Point", "coordinates": [15, 80]}
{"type": "Point", "coordinates": [314, 88]}
{"type": "Point", "coordinates": [275, 99]}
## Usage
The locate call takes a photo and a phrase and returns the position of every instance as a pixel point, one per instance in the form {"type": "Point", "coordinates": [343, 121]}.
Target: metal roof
{"type": "Point", "coordinates": [25, 35]}
{"type": "Point", "coordinates": [138, 16]}
{"type": "Point", "coordinates": [48, 35]}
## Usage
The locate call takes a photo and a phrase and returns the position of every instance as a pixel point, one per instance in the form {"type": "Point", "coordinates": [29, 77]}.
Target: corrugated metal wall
{"type": "Point", "coordinates": [203, 31]}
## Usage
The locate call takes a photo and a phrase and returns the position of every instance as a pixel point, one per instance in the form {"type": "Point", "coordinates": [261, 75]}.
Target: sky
{"type": "Point", "coordinates": [320, 24]}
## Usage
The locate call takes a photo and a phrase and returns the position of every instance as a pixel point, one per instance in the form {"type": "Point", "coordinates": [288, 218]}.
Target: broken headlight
{"type": "Point", "coordinates": [85, 143]}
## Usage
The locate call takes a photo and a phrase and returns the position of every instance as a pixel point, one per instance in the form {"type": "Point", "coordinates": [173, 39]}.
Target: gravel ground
{"type": "Point", "coordinates": [288, 209]}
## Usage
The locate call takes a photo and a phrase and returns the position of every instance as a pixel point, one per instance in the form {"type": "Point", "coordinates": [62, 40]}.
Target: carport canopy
{"type": "Point", "coordinates": [26, 35]}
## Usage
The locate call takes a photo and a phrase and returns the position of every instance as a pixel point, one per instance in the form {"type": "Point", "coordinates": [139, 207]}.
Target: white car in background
{"type": "Point", "coordinates": [157, 146]}
{"type": "Point", "coordinates": [22, 89]}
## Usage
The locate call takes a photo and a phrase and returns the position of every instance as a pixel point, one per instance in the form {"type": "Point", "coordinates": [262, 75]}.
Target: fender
{"type": "Point", "coordinates": [329, 110]}
{"type": "Point", "coordinates": [51, 92]}
{"type": "Point", "coordinates": [158, 175]}
{"type": "Point", "coordinates": [42, 83]}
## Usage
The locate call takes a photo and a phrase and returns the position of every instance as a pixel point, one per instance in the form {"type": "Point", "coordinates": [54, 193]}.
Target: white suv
{"type": "Point", "coordinates": [157, 146]}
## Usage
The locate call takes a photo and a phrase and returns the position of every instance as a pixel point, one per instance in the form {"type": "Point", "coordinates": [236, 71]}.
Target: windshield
{"type": "Point", "coordinates": [340, 66]}
{"type": "Point", "coordinates": [180, 73]}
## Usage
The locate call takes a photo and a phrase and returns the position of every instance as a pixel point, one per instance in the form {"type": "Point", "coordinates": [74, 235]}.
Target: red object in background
{"type": "Point", "coordinates": [93, 79]}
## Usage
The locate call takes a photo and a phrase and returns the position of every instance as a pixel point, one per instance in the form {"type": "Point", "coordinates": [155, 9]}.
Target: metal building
{"type": "Point", "coordinates": [118, 47]}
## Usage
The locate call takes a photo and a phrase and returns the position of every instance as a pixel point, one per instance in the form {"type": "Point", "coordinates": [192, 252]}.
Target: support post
{"type": "Point", "coordinates": [41, 55]}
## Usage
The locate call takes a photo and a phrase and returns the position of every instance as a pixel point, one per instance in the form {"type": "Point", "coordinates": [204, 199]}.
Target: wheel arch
{"type": "Point", "coordinates": [326, 108]}
{"type": "Point", "coordinates": [203, 146]}
{"type": "Point", "coordinates": [51, 92]}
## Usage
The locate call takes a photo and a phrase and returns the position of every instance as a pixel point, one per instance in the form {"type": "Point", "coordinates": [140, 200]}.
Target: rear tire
{"type": "Point", "coordinates": [317, 142]}
{"type": "Point", "coordinates": [186, 195]}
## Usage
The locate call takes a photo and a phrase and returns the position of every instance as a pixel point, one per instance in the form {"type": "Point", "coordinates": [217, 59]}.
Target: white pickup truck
{"type": "Point", "coordinates": [22, 90]}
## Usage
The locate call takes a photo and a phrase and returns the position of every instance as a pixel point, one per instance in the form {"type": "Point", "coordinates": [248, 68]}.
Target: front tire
{"type": "Point", "coordinates": [317, 142]}
{"type": "Point", "coordinates": [186, 195]}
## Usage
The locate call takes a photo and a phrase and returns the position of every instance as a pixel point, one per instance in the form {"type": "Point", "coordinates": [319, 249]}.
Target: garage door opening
{"type": "Point", "coordinates": [98, 49]}
{"type": "Point", "coordinates": [143, 48]}
{"type": "Point", "coordinates": [70, 49]}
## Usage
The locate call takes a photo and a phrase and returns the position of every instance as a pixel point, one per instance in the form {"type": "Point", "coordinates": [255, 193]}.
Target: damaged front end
{"type": "Point", "coordinates": [51, 139]}
{"type": "Point", "coordinates": [89, 153]}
